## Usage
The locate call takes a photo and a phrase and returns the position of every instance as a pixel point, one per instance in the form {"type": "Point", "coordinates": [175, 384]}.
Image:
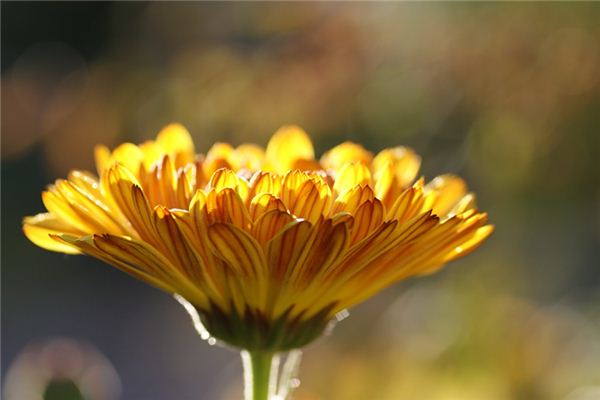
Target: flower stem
{"type": "Point", "coordinates": [260, 374]}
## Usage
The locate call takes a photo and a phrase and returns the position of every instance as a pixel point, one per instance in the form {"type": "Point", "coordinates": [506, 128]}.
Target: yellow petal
{"type": "Point", "coordinates": [94, 211]}
{"type": "Point", "coordinates": [328, 244]}
{"type": "Point", "coordinates": [263, 203]}
{"type": "Point", "coordinates": [315, 250]}
{"type": "Point", "coordinates": [223, 178]}
{"type": "Point", "coordinates": [351, 199]}
{"type": "Point", "coordinates": [59, 206]}
{"type": "Point", "coordinates": [352, 175]}
{"type": "Point", "coordinates": [173, 245]}
{"type": "Point", "coordinates": [102, 158]}
{"type": "Point", "coordinates": [227, 206]}
{"type": "Point", "coordinates": [174, 139]}
{"type": "Point", "coordinates": [404, 162]}
{"type": "Point", "coordinates": [118, 257]}
{"type": "Point", "coordinates": [87, 182]}
{"type": "Point", "coordinates": [367, 218]}
{"type": "Point", "coordinates": [269, 224]}
{"type": "Point", "coordinates": [284, 250]}
{"type": "Point", "coordinates": [250, 156]}
{"type": "Point", "coordinates": [39, 227]}
{"type": "Point", "coordinates": [407, 205]}
{"type": "Point", "coordinates": [152, 152]}
{"type": "Point", "coordinates": [470, 244]}
{"type": "Point", "coordinates": [305, 195]}
{"type": "Point", "coordinates": [131, 201]}
{"type": "Point", "coordinates": [264, 182]}
{"type": "Point", "coordinates": [288, 145]}
{"type": "Point", "coordinates": [139, 260]}
{"type": "Point", "coordinates": [344, 153]}
{"type": "Point", "coordinates": [128, 155]}
{"type": "Point", "coordinates": [238, 248]}
{"type": "Point", "coordinates": [445, 191]}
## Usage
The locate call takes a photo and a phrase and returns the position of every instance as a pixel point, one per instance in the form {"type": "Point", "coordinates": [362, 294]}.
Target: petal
{"type": "Point", "coordinates": [226, 178]}
{"type": "Point", "coordinates": [286, 247]}
{"type": "Point", "coordinates": [220, 155]}
{"type": "Point", "coordinates": [328, 244]}
{"type": "Point", "coordinates": [263, 203]}
{"type": "Point", "coordinates": [288, 145]}
{"type": "Point", "coordinates": [130, 200]}
{"type": "Point", "coordinates": [87, 182]}
{"type": "Point", "coordinates": [470, 243]}
{"type": "Point", "coordinates": [174, 139]}
{"type": "Point", "coordinates": [366, 219]}
{"type": "Point", "coordinates": [351, 199]}
{"type": "Point", "coordinates": [227, 206]}
{"type": "Point", "coordinates": [407, 205]}
{"type": "Point", "coordinates": [128, 155]}
{"type": "Point", "coordinates": [153, 153]}
{"type": "Point", "coordinates": [250, 156]}
{"type": "Point", "coordinates": [238, 249]}
{"type": "Point", "coordinates": [350, 176]}
{"type": "Point", "coordinates": [318, 249]}
{"type": "Point", "coordinates": [305, 195]}
{"type": "Point", "coordinates": [90, 209]}
{"type": "Point", "coordinates": [245, 262]}
{"type": "Point", "coordinates": [387, 236]}
{"type": "Point", "coordinates": [59, 206]}
{"type": "Point", "coordinates": [444, 193]}
{"type": "Point", "coordinates": [344, 153]}
{"type": "Point", "coordinates": [139, 260]}
{"type": "Point", "coordinates": [269, 224]}
{"type": "Point", "coordinates": [173, 245]}
{"type": "Point", "coordinates": [102, 158]}
{"type": "Point", "coordinates": [39, 227]}
{"type": "Point", "coordinates": [265, 182]}
{"type": "Point", "coordinates": [403, 161]}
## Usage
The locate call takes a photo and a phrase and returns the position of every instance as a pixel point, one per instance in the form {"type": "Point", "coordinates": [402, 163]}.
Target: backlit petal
{"type": "Point", "coordinates": [288, 145]}
{"type": "Point", "coordinates": [39, 227]}
{"type": "Point", "coordinates": [345, 153]}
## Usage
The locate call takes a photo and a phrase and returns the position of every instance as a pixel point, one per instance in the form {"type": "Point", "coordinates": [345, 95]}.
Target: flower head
{"type": "Point", "coordinates": [267, 245]}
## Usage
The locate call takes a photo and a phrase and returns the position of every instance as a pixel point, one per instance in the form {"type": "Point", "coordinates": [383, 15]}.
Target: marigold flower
{"type": "Point", "coordinates": [267, 245]}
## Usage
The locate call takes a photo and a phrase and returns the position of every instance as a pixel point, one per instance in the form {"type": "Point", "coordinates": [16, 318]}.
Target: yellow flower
{"type": "Point", "coordinates": [267, 245]}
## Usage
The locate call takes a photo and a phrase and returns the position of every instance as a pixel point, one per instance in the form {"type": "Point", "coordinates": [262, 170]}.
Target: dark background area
{"type": "Point", "coordinates": [506, 95]}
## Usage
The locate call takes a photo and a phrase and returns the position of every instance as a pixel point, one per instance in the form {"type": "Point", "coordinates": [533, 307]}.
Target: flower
{"type": "Point", "coordinates": [266, 244]}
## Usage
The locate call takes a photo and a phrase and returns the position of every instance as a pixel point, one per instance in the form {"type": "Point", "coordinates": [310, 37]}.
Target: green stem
{"type": "Point", "coordinates": [260, 374]}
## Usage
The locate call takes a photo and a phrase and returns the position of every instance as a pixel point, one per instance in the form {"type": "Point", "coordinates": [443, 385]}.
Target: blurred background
{"type": "Point", "coordinates": [506, 95]}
